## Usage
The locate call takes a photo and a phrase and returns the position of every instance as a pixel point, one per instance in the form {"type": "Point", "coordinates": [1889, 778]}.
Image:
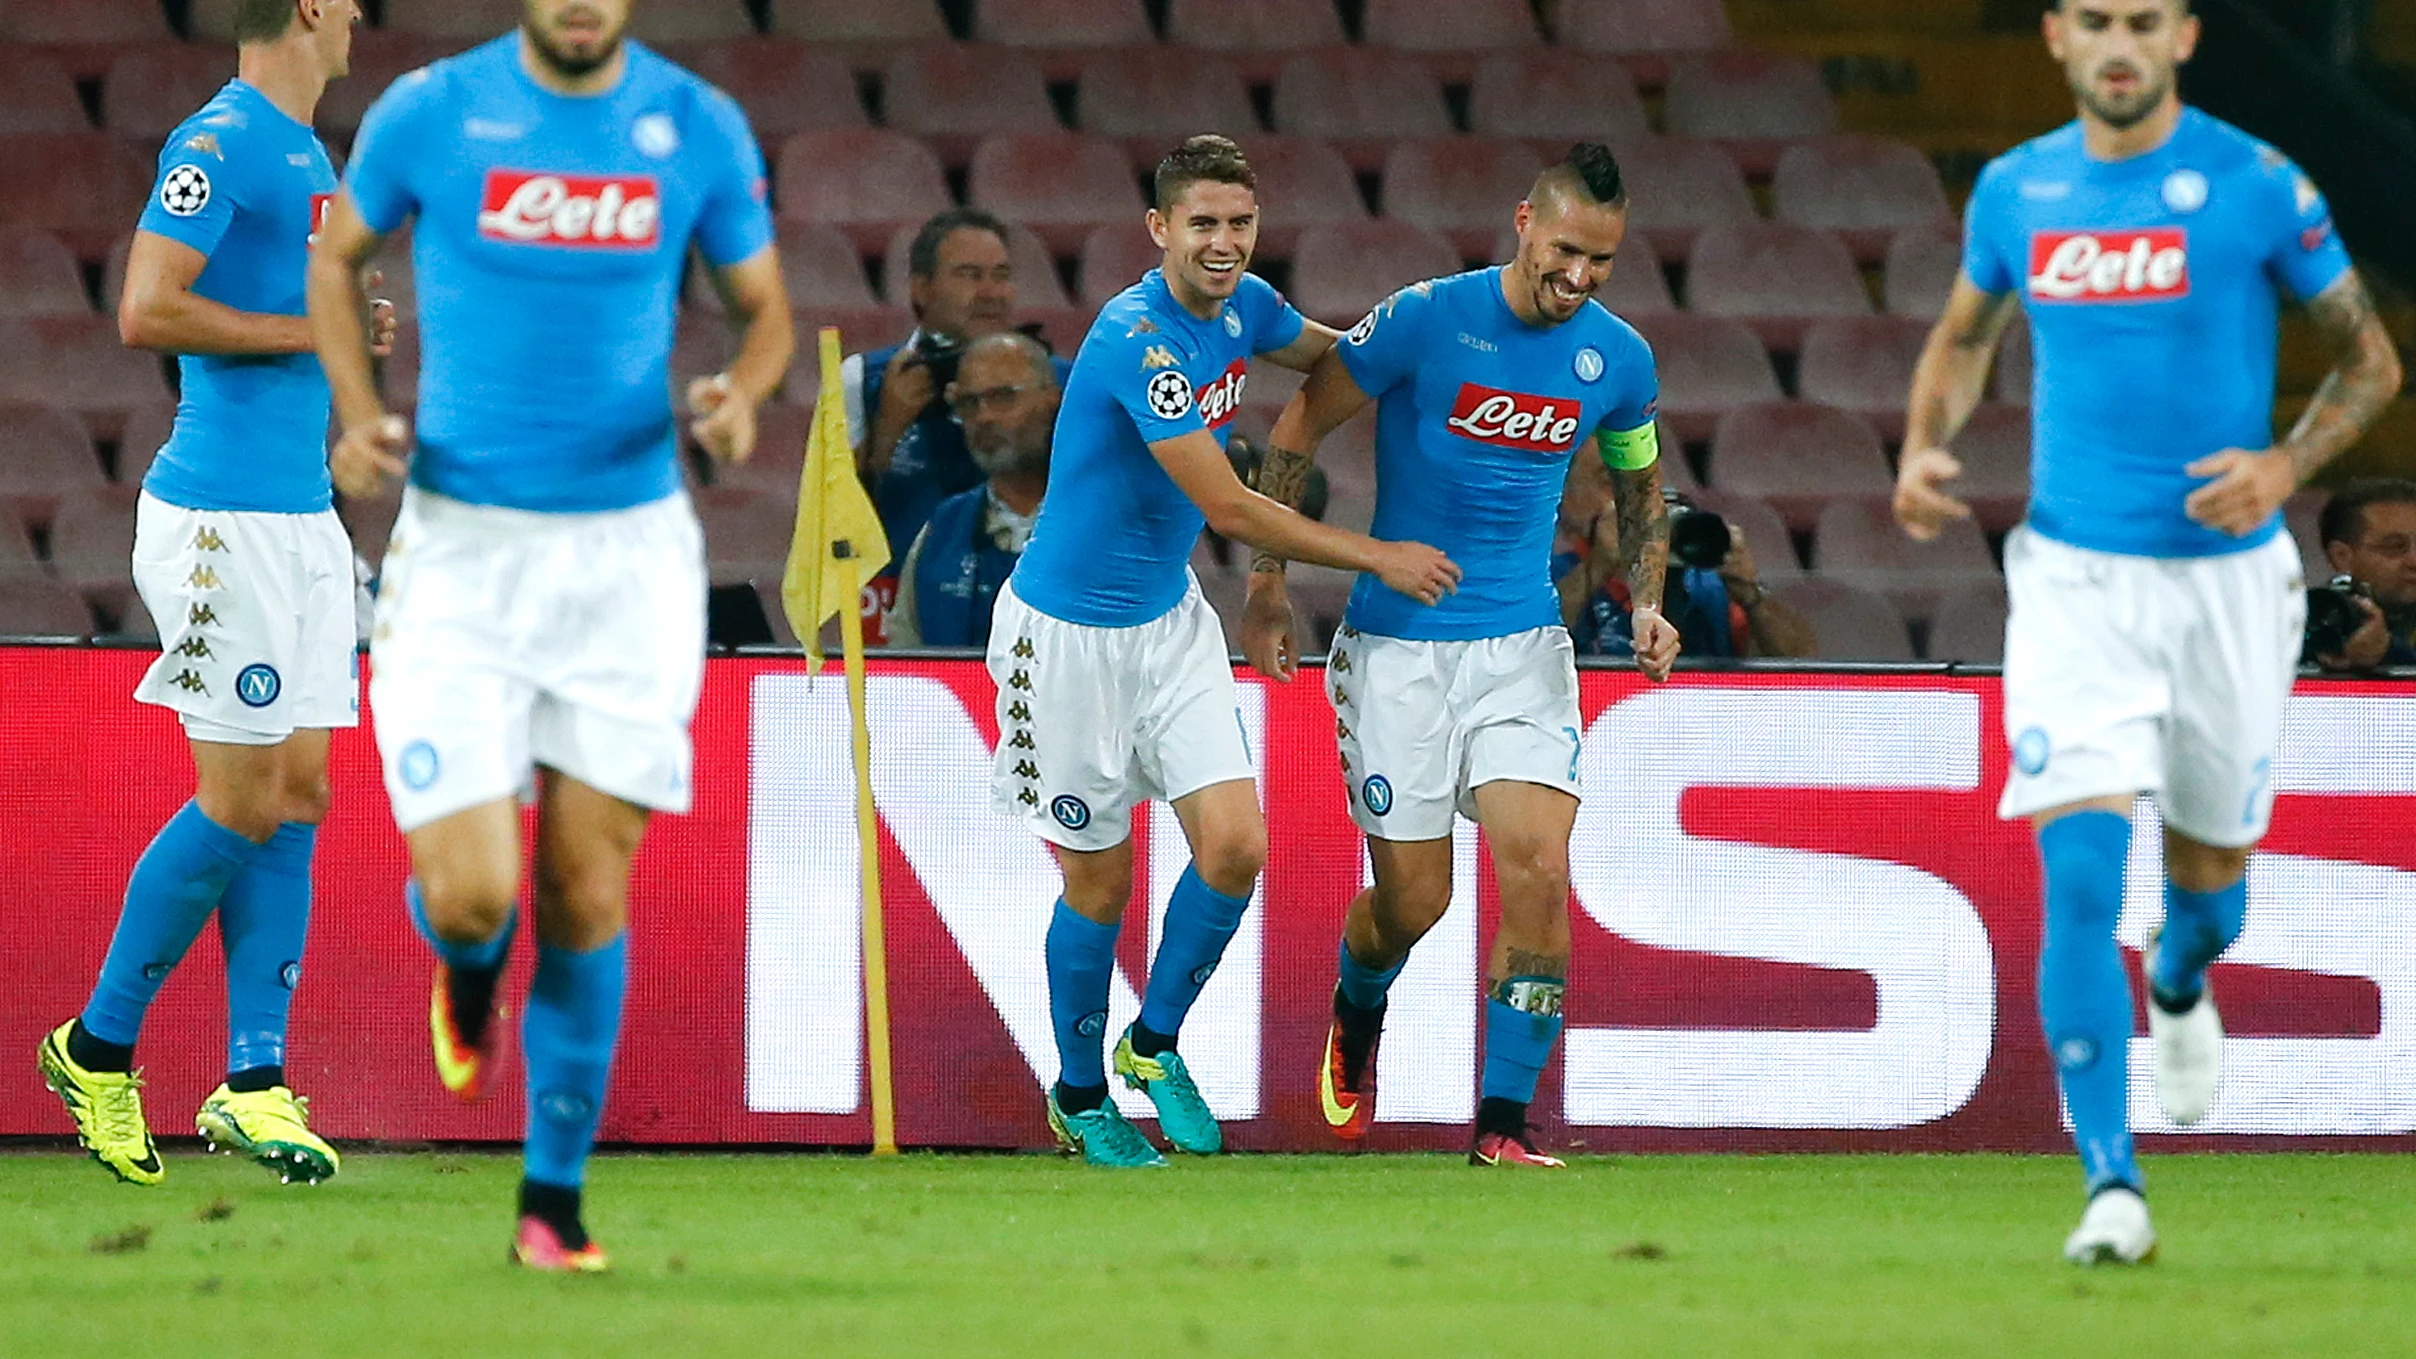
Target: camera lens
{"type": "Point", "coordinates": [1699, 539]}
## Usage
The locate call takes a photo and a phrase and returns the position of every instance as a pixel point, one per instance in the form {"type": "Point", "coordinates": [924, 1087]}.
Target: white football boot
{"type": "Point", "coordinates": [2189, 1056]}
{"type": "Point", "coordinates": [2115, 1231]}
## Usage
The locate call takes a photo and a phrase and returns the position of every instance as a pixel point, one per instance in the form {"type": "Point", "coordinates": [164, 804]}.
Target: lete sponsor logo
{"type": "Point", "coordinates": [1521, 420]}
{"type": "Point", "coordinates": [2110, 266]}
{"type": "Point", "coordinates": [586, 211]}
{"type": "Point", "coordinates": [1221, 398]}
{"type": "Point", "coordinates": [320, 203]}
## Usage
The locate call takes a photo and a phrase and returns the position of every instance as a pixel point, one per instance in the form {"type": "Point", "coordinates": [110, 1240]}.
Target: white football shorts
{"type": "Point", "coordinates": [1092, 721]}
{"type": "Point", "coordinates": [2151, 675]}
{"type": "Point", "coordinates": [508, 639]}
{"type": "Point", "coordinates": [255, 618]}
{"type": "Point", "coordinates": [1423, 725]}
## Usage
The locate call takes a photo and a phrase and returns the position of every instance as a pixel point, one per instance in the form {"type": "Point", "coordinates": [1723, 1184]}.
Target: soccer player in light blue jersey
{"type": "Point", "coordinates": [248, 574]}
{"type": "Point", "coordinates": [1486, 384]}
{"type": "Point", "coordinates": [541, 629]}
{"type": "Point", "coordinates": [1113, 679]}
{"type": "Point", "coordinates": [2157, 603]}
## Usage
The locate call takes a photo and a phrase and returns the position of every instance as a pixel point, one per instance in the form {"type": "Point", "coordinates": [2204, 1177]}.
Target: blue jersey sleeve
{"type": "Point", "coordinates": [1637, 398]}
{"type": "Point", "coordinates": [1274, 322]}
{"type": "Point", "coordinates": [379, 178]}
{"type": "Point", "coordinates": [1986, 261]}
{"type": "Point", "coordinates": [2305, 252]}
{"type": "Point", "coordinates": [1383, 350]}
{"type": "Point", "coordinates": [193, 196]}
{"type": "Point", "coordinates": [736, 222]}
{"type": "Point", "coordinates": [1147, 383]}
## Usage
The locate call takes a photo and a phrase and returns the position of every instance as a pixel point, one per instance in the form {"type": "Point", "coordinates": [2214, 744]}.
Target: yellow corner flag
{"type": "Point", "coordinates": [839, 547]}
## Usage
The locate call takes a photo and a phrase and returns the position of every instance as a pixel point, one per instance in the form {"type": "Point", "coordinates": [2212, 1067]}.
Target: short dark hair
{"type": "Point", "coordinates": [923, 257]}
{"type": "Point", "coordinates": [2344, 516]}
{"type": "Point", "coordinates": [2057, 7]}
{"type": "Point", "coordinates": [1208, 157]}
{"type": "Point", "coordinates": [1589, 173]}
{"type": "Point", "coordinates": [262, 20]}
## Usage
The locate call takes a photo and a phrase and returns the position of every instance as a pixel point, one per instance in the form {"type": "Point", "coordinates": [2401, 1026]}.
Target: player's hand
{"type": "Point", "coordinates": [1418, 571]}
{"type": "Point", "coordinates": [1738, 567]}
{"type": "Point", "coordinates": [906, 390]}
{"type": "Point", "coordinates": [1266, 631]}
{"type": "Point", "coordinates": [382, 322]}
{"type": "Point", "coordinates": [1922, 506]}
{"type": "Point", "coordinates": [725, 420]}
{"type": "Point", "coordinates": [1656, 644]}
{"type": "Point", "coordinates": [370, 455]}
{"type": "Point", "coordinates": [2366, 646]}
{"type": "Point", "coordinates": [2247, 489]}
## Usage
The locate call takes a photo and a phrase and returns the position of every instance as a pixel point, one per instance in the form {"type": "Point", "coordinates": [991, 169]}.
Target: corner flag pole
{"type": "Point", "coordinates": [868, 846]}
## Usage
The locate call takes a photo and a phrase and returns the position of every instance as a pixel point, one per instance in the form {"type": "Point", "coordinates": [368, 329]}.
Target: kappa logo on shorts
{"type": "Point", "coordinates": [418, 766]}
{"type": "Point", "coordinates": [1377, 794]}
{"type": "Point", "coordinates": [1028, 798]}
{"type": "Point", "coordinates": [191, 682]}
{"type": "Point", "coordinates": [196, 649]}
{"type": "Point", "coordinates": [201, 616]}
{"type": "Point", "coordinates": [1021, 740]}
{"type": "Point", "coordinates": [204, 578]}
{"type": "Point", "coordinates": [2030, 750]}
{"type": "Point", "coordinates": [1342, 730]}
{"type": "Point", "coordinates": [1020, 680]}
{"type": "Point", "coordinates": [257, 685]}
{"type": "Point", "coordinates": [1023, 648]}
{"type": "Point", "coordinates": [1071, 812]}
{"type": "Point", "coordinates": [206, 539]}
{"type": "Point", "coordinates": [1019, 711]}
{"type": "Point", "coordinates": [1025, 769]}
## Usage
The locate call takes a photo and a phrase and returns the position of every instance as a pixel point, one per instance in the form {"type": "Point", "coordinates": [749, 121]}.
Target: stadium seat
{"type": "Point", "coordinates": [1301, 183]}
{"type": "Point", "coordinates": [2010, 383]}
{"type": "Point", "coordinates": [1850, 623]}
{"type": "Point", "coordinates": [211, 20]}
{"type": "Point", "coordinates": [79, 364]}
{"type": "Point", "coordinates": [1859, 541]}
{"type": "Point", "coordinates": [1644, 27]}
{"type": "Point", "coordinates": [1342, 270]}
{"type": "Point", "coordinates": [1863, 364]}
{"type": "Point", "coordinates": [36, 94]}
{"type": "Point", "coordinates": [16, 545]}
{"type": "Point", "coordinates": [1678, 187]}
{"type": "Point", "coordinates": [864, 36]}
{"type": "Point", "coordinates": [1063, 33]}
{"type": "Point", "coordinates": [85, 35]}
{"type": "Point", "coordinates": [146, 433]}
{"type": "Point", "coordinates": [1708, 367]}
{"type": "Point", "coordinates": [1255, 33]}
{"type": "Point", "coordinates": [691, 21]}
{"type": "Point", "coordinates": [1360, 100]}
{"type": "Point", "coordinates": [83, 187]}
{"type": "Point", "coordinates": [821, 264]}
{"type": "Point", "coordinates": [39, 276]}
{"type": "Point", "coordinates": [92, 538]}
{"type": "Point", "coordinates": [1865, 189]}
{"type": "Point", "coordinates": [149, 90]}
{"type": "Point", "coordinates": [458, 21]}
{"type": "Point", "coordinates": [45, 453]}
{"type": "Point", "coordinates": [1060, 184]}
{"type": "Point", "coordinates": [1752, 103]}
{"type": "Point", "coordinates": [1150, 99]}
{"type": "Point", "coordinates": [1462, 188]}
{"type": "Point", "coordinates": [785, 86]}
{"type": "Point", "coordinates": [1449, 36]}
{"type": "Point", "coordinates": [1114, 257]}
{"type": "Point", "coordinates": [867, 182]}
{"type": "Point", "coordinates": [1994, 448]}
{"type": "Point", "coordinates": [1799, 456]}
{"type": "Point", "coordinates": [378, 60]}
{"type": "Point", "coordinates": [747, 533]}
{"type": "Point", "coordinates": [1921, 266]}
{"type": "Point", "coordinates": [1776, 277]}
{"type": "Point", "coordinates": [34, 604]}
{"type": "Point", "coordinates": [1967, 624]}
{"type": "Point", "coordinates": [954, 97]}
{"type": "Point", "coordinates": [1035, 265]}
{"type": "Point", "coordinates": [1552, 99]}
{"type": "Point", "coordinates": [1766, 534]}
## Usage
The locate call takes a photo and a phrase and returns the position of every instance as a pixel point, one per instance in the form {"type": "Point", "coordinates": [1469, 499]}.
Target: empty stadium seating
{"type": "Point", "coordinates": [1449, 36]}
{"type": "Point", "coordinates": [1921, 266]}
{"type": "Point", "coordinates": [1554, 98]}
{"type": "Point", "coordinates": [1462, 188]}
{"type": "Point", "coordinates": [1113, 258]}
{"type": "Point", "coordinates": [36, 94]}
{"type": "Point", "coordinates": [1302, 183]}
{"type": "Point", "coordinates": [84, 34]}
{"type": "Point", "coordinates": [1677, 187]}
{"type": "Point", "coordinates": [34, 604]}
{"type": "Point", "coordinates": [1798, 457]}
{"type": "Point", "coordinates": [79, 364]}
{"type": "Point", "coordinates": [1060, 184]}
{"type": "Point", "coordinates": [1858, 540]}
{"type": "Point", "coordinates": [1776, 277]}
{"type": "Point", "coordinates": [1708, 366]}
{"type": "Point", "coordinates": [1863, 364]}
{"type": "Point", "coordinates": [1359, 100]}
{"type": "Point", "coordinates": [149, 90]}
{"type": "Point", "coordinates": [953, 97]}
{"type": "Point", "coordinates": [1968, 624]}
{"type": "Point", "coordinates": [1850, 623]}
{"type": "Point", "coordinates": [786, 86]}
{"type": "Point", "coordinates": [1864, 189]}
{"type": "Point", "coordinates": [1255, 33]}
{"type": "Point", "coordinates": [863, 35]}
{"type": "Point", "coordinates": [1646, 33]}
{"type": "Point", "coordinates": [1994, 449]}
{"type": "Point", "coordinates": [1752, 103]}
{"type": "Point", "coordinates": [84, 187]}
{"type": "Point", "coordinates": [867, 182]}
{"type": "Point", "coordinates": [1150, 99]}
{"type": "Point", "coordinates": [1060, 30]}
{"type": "Point", "coordinates": [1343, 269]}
{"type": "Point", "coordinates": [38, 275]}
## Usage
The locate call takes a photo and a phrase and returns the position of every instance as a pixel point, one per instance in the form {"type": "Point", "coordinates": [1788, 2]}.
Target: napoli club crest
{"type": "Point", "coordinates": [1588, 364]}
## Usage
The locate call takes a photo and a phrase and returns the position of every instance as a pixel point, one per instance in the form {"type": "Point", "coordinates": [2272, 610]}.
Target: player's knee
{"type": "Point", "coordinates": [243, 810]}
{"type": "Point", "coordinates": [1532, 873]}
{"type": "Point", "coordinates": [465, 906]}
{"type": "Point", "coordinates": [2194, 867]}
{"type": "Point", "coordinates": [1231, 860]}
{"type": "Point", "coordinates": [307, 798]}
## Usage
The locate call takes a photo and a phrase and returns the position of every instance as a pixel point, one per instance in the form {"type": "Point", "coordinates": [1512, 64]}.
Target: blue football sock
{"type": "Point", "coordinates": [2084, 1000]}
{"type": "Point", "coordinates": [1363, 987]}
{"type": "Point", "coordinates": [478, 957]}
{"type": "Point", "coordinates": [262, 921]}
{"type": "Point", "coordinates": [1082, 961]}
{"type": "Point", "coordinates": [1200, 921]}
{"type": "Point", "coordinates": [1522, 1022]}
{"type": "Point", "coordinates": [573, 1024]}
{"type": "Point", "coordinates": [2198, 926]}
{"type": "Point", "coordinates": [174, 887]}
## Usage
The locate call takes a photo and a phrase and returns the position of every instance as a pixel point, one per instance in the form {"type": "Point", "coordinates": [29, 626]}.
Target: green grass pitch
{"type": "Point", "coordinates": [720, 1255]}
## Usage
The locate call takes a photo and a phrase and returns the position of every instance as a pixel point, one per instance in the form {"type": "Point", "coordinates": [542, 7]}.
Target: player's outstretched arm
{"type": "Point", "coordinates": [1314, 342]}
{"type": "Point", "coordinates": [1947, 386]}
{"type": "Point", "coordinates": [757, 301]}
{"type": "Point", "coordinates": [371, 446]}
{"type": "Point", "coordinates": [2248, 487]}
{"type": "Point", "coordinates": [1644, 533]}
{"type": "Point", "coordinates": [160, 311]}
{"type": "Point", "coordinates": [1322, 404]}
{"type": "Point", "coordinates": [1197, 464]}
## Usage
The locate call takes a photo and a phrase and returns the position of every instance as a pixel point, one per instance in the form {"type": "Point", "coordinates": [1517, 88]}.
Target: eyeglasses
{"type": "Point", "coordinates": [1000, 399]}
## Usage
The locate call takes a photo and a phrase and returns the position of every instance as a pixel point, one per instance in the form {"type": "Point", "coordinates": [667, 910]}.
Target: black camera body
{"type": "Point", "coordinates": [1697, 538]}
{"type": "Point", "coordinates": [940, 354]}
{"type": "Point", "coordinates": [2332, 617]}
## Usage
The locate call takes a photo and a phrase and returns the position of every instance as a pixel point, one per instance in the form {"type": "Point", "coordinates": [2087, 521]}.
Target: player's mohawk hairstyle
{"type": "Point", "coordinates": [1593, 165]}
{"type": "Point", "coordinates": [1204, 157]}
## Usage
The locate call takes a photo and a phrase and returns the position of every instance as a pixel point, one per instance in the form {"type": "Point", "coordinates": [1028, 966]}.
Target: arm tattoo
{"type": "Point", "coordinates": [1521, 963]}
{"type": "Point", "coordinates": [1282, 477]}
{"type": "Point", "coordinates": [2357, 389]}
{"type": "Point", "coordinates": [1643, 532]}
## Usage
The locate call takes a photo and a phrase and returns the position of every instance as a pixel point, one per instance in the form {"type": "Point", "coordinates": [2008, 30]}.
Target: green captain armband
{"type": "Point", "coordinates": [1630, 450]}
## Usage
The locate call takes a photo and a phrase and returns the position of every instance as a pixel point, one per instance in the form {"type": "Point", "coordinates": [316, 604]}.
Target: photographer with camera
{"type": "Point", "coordinates": [1714, 596]}
{"type": "Point", "coordinates": [908, 441]}
{"type": "Point", "coordinates": [2365, 617]}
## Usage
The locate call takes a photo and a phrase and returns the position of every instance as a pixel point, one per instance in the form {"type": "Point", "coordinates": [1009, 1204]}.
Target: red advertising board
{"type": "Point", "coordinates": [1799, 924]}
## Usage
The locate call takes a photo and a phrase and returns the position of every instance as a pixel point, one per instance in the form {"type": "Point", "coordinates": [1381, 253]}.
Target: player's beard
{"type": "Point", "coordinates": [571, 65]}
{"type": "Point", "coordinates": [1548, 298]}
{"type": "Point", "coordinates": [2120, 112]}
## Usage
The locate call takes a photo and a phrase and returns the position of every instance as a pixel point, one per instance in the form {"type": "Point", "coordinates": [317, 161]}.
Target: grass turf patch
{"type": "Point", "coordinates": [1379, 1255]}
